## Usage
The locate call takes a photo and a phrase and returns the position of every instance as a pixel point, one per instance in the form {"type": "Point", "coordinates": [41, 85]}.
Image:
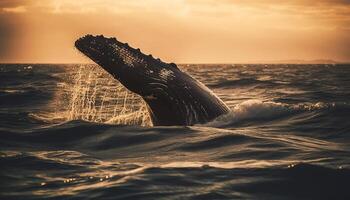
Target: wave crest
{"type": "Point", "coordinates": [257, 110]}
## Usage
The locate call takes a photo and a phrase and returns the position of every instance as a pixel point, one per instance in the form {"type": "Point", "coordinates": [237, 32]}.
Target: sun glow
{"type": "Point", "coordinates": [179, 30]}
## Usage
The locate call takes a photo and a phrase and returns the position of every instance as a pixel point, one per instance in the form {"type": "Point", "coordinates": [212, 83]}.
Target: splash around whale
{"type": "Point", "coordinates": [172, 96]}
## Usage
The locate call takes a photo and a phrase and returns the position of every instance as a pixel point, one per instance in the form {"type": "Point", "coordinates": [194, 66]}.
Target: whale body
{"type": "Point", "coordinates": [172, 96]}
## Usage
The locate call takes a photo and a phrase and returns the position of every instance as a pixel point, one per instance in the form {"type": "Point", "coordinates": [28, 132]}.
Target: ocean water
{"type": "Point", "coordinates": [73, 132]}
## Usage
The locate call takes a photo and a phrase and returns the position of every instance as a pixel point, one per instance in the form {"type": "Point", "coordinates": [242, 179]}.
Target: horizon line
{"type": "Point", "coordinates": [193, 63]}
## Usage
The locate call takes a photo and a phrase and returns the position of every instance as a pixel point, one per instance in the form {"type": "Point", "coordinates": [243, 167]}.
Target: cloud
{"type": "Point", "coordinates": [100, 6]}
{"type": "Point", "coordinates": [14, 3]}
{"type": "Point", "coordinates": [181, 30]}
{"type": "Point", "coordinates": [15, 6]}
{"type": "Point", "coordinates": [322, 8]}
{"type": "Point", "coordinates": [285, 2]}
{"type": "Point", "coordinates": [18, 9]}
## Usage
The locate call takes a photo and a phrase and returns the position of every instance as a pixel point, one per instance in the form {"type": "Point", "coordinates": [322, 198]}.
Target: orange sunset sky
{"type": "Point", "coordinates": [182, 31]}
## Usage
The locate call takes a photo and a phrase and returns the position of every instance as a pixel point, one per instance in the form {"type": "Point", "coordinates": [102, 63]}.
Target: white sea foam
{"type": "Point", "coordinates": [251, 109]}
{"type": "Point", "coordinates": [259, 110]}
{"type": "Point", "coordinates": [91, 95]}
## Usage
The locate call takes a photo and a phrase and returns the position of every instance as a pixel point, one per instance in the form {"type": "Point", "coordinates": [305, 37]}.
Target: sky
{"type": "Point", "coordinates": [181, 31]}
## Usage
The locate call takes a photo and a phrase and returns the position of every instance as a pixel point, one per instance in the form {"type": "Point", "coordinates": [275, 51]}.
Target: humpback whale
{"type": "Point", "coordinates": [172, 96]}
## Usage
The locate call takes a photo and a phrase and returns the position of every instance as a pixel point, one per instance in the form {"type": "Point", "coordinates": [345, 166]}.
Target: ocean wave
{"type": "Point", "coordinates": [62, 138]}
{"type": "Point", "coordinates": [23, 96]}
{"type": "Point", "coordinates": [103, 179]}
{"type": "Point", "coordinates": [250, 110]}
{"type": "Point", "coordinates": [244, 82]}
{"type": "Point", "coordinates": [257, 110]}
{"type": "Point", "coordinates": [164, 144]}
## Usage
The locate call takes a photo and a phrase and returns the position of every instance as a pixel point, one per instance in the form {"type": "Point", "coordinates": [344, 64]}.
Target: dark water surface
{"type": "Point", "coordinates": [70, 132]}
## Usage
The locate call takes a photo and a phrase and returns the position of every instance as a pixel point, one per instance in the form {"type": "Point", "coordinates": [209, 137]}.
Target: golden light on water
{"type": "Point", "coordinates": [214, 31]}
